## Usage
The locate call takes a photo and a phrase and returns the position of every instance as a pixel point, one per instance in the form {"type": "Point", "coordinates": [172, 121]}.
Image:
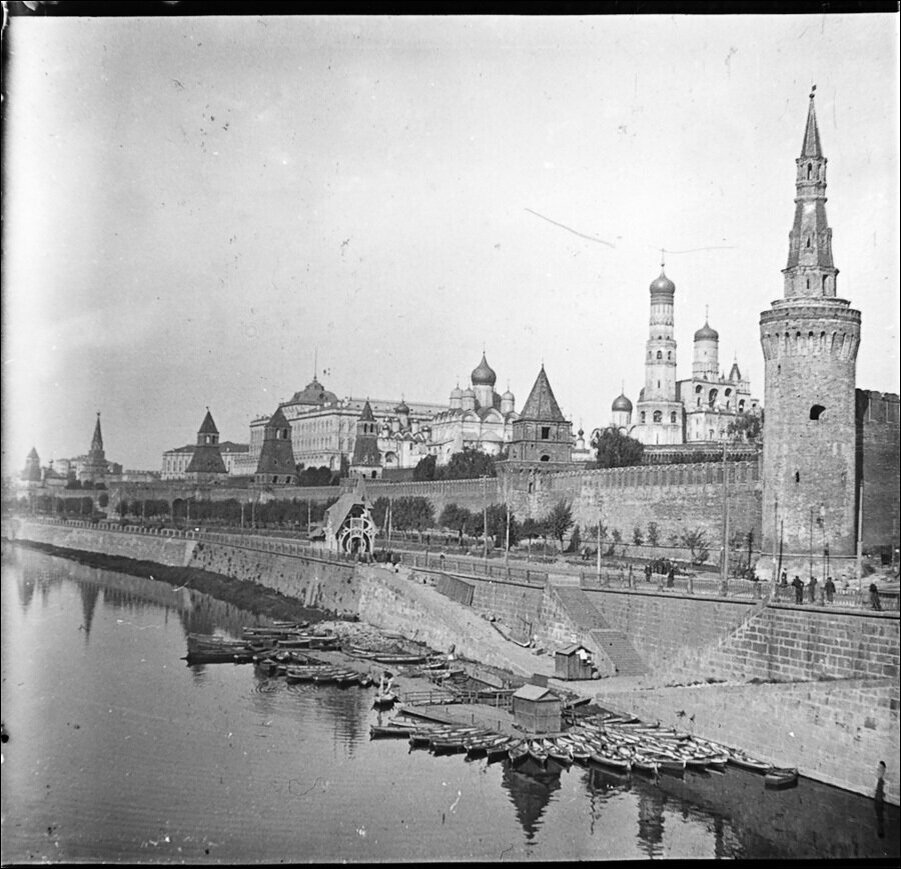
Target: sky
{"type": "Point", "coordinates": [203, 211]}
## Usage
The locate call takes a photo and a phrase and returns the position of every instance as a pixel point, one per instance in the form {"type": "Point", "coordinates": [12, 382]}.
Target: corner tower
{"type": "Point", "coordinates": [810, 339]}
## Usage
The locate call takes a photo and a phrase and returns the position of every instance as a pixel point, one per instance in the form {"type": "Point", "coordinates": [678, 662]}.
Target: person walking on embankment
{"type": "Point", "coordinates": [812, 585]}
{"type": "Point", "coordinates": [798, 585]}
{"type": "Point", "coordinates": [874, 597]}
{"type": "Point", "coordinates": [829, 588]}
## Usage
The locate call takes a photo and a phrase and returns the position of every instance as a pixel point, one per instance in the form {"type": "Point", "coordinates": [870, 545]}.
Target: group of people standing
{"type": "Point", "coordinates": [828, 590]}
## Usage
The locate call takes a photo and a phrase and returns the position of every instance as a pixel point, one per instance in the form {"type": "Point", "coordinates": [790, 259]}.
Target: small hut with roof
{"type": "Point", "coordinates": [348, 524]}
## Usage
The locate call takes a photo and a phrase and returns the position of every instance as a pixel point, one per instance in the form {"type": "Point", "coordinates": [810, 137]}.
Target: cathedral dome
{"type": "Point", "coordinates": [705, 333]}
{"type": "Point", "coordinates": [456, 392]}
{"type": "Point", "coordinates": [468, 393]}
{"type": "Point", "coordinates": [483, 375]}
{"type": "Point", "coordinates": [663, 285]}
{"type": "Point", "coordinates": [508, 396]}
{"type": "Point", "coordinates": [402, 407]}
{"type": "Point", "coordinates": [622, 404]}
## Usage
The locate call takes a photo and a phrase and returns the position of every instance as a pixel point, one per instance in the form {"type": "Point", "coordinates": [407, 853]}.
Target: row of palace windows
{"type": "Point", "coordinates": [658, 417]}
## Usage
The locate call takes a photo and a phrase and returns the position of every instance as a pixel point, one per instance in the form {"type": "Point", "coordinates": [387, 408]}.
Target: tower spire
{"type": "Point", "coordinates": [810, 271]}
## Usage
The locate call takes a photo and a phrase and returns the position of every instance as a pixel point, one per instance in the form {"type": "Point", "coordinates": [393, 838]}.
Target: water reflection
{"type": "Point", "coordinates": [530, 788]}
{"type": "Point", "coordinates": [234, 766]}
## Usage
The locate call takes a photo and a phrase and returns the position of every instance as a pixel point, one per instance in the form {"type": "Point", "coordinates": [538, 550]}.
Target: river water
{"type": "Point", "coordinates": [119, 752]}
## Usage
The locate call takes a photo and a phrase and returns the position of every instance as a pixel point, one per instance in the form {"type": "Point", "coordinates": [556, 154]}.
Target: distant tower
{"type": "Point", "coordinates": [659, 411]}
{"type": "Point", "coordinates": [810, 340]}
{"type": "Point", "coordinates": [276, 466]}
{"type": "Point", "coordinates": [508, 402]}
{"type": "Point", "coordinates": [403, 415]}
{"type": "Point", "coordinates": [367, 460]}
{"type": "Point", "coordinates": [32, 471]}
{"type": "Point", "coordinates": [541, 433]}
{"type": "Point", "coordinates": [206, 463]}
{"type": "Point", "coordinates": [706, 362]}
{"type": "Point", "coordinates": [95, 467]}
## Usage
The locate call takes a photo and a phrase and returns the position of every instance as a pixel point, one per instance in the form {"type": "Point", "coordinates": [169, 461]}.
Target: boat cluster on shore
{"type": "Point", "coordinates": [212, 649]}
{"type": "Point", "coordinates": [615, 743]}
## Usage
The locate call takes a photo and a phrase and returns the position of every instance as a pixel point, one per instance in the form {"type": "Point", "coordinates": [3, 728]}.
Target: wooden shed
{"type": "Point", "coordinates": [574, 662]}
{"type": "Point", "coordinates": [537, 709]}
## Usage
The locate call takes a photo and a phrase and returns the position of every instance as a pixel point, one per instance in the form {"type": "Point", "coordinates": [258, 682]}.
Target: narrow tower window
{"type": "Point", "coordinates": [809, 168]}
{"type": "Point", "coordinates": [797, 476]}
{"type": "Point", "coordinates": [817, 411]}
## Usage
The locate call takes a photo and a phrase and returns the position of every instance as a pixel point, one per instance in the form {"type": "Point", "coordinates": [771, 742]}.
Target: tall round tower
{"type": "Point", "coordinates": [659, 412]}
{"type": "Point", "coordinates": [810, 340]}
{"type": "Point", "coordinates": [706, 362]}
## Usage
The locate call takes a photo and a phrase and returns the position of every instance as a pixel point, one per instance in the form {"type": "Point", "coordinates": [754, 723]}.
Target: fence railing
{"type": "Point", "coordinates": [497, 570]}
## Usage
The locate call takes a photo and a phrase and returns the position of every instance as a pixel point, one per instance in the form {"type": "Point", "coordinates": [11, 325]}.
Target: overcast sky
{"type": "Point", "coordinates": [194, 207]}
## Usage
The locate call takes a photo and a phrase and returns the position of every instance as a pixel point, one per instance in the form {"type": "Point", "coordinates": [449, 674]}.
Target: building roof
{"type": "Point", "coordinates": [313, 393]}
{"type": "Point", "coordinates": [571, 650]}
{"type": "Point", "coordinates": [735, 373]}
{"type": "Point", "coordinates": [541, 403]}
{"type": "Point", "coordinates": [230, 447]}
{"type": "Point", "coordinates": [811, 144]}
{"type": "Point", "coordinates": [206, 427]}
{"type": "Point", "coordinates": [97, 439]}
{"type": "Point", "coordinates": [206, 460]}
{"type": "Point", "coordinates": [535, 692]}
{"type": "Point", "coordinates": [366, 415]}
{"type": "Point", "coordinates": [337, 513]}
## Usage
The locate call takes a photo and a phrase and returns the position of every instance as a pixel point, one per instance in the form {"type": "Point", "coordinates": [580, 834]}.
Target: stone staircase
{"type": "Point", "coordinates": [588, 621]}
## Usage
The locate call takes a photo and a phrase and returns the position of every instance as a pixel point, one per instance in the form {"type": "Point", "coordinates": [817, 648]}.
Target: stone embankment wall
{"type": "Point", "coordinates": [836, 732]}
{"type": "Point", "coordinates": [174, 551]}
{"type": "Point", "coordinates": [316, 582]}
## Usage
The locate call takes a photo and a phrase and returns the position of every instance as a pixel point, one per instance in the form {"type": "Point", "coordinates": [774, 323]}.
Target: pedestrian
{"type": "Point", "coordinates": [879, 800]}
{"type": "Point", "coordinates": [647, 573]}
{"type": "Point", "coordinates": [784, 580]}
{"type": "Point", "coordinates": [830, 589]}
{"type": "Point", "coordinates": [874, 597]}
{"type": "Point", "coordinates": [798, 586]}
{"type": "Point", "coordinates": [812, 585]}
{"type": "Point", "coordinates": [671, 577]}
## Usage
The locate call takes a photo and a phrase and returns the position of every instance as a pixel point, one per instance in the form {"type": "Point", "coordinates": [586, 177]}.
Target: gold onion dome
{"type": "Point", "coordinates": [483, 375]}
{"type": "Point", "coordinates": [706, 333]}
{"type": "Point", "coordinates": [663, 285]}
{"type": "Point", "coordinates": [621, 403]}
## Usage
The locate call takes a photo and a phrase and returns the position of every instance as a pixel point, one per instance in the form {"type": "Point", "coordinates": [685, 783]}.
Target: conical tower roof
{"type": "Point", "coordinates": [811, 146]}
{"type": "Point", "coordinates": [97, 439]}
{"type": "Point", "coordinates": [366, 414]}
{"type": "Point", "coordinates": [206, 427]}
{"type": "Point", "coordinates": [541, 403]}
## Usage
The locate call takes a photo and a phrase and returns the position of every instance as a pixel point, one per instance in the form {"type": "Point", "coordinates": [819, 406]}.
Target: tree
{"type": "Point", "coordinates": [559, 520]}
{"type": "Point", "coordinates": [467, 465]}
{"type": "Point", "coordinates": [616, 450]}
{"type": "Point", "coordinates": [575, 540]}
{"type": "Point", "coordinates": [497, 525]}
{"type": "Point", "coordinates": [454, 517]}
{"type": "Point", "coordinates": [532, 528]}
{"type": "Point", "coordinates": [697, 544]}
{"type": "Point", "coordinates": [412, 513]}
{"type": "Point", "coordinates": [747, 427]}
{"type": "Point", "coordinates": [637, 536]}
{"type": "Point", "coordinates": [653, 534]}
{"type": "Point", "coordinates": [425, 468]}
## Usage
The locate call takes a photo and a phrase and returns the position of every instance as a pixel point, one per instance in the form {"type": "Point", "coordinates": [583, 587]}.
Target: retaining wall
{"type": "Point", "coordinates": [836, 732]}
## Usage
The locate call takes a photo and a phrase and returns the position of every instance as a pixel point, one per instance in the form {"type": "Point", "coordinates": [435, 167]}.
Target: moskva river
{"type": "Point", "coordinates": [119, 752]}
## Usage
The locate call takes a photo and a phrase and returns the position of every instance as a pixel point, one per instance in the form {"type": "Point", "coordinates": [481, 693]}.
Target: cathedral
{"type": "Point", "coordinates": [672, 411]}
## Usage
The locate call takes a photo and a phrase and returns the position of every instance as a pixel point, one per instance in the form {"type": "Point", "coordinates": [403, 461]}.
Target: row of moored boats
{"type": "Point", "coordinates": [618, 744]}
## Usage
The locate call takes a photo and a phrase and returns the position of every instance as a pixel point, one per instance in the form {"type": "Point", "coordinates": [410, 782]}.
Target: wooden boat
{"type": "Point", "coordinates": [384, 700]}
{"type": "Point", "coordinates": [518, 752]}
{"type": "Point", "coordinates": [781, 777]}
{"type": "Point", "coordinates": [538, 752]}
{"type": "Point", "coordinates": [300, 674]}
{"type": "Point", "coordinates": [749, 763]}
{"type": "Point", "coordinates": [612, 762]}
{"type": "Point", "coordinates": [389, 731]}
{"type": "Point", "coordinates": [558, 750]}
{"type": "Point", "coordinates": [671, 765]}
{"type": "Point", "coordinates": [645, 763]}
{"type": "Point", "coordinates": [400, 659]}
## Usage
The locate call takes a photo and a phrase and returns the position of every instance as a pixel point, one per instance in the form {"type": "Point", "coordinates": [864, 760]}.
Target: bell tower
{"type": "Point", "coordinates": [810, 339]}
